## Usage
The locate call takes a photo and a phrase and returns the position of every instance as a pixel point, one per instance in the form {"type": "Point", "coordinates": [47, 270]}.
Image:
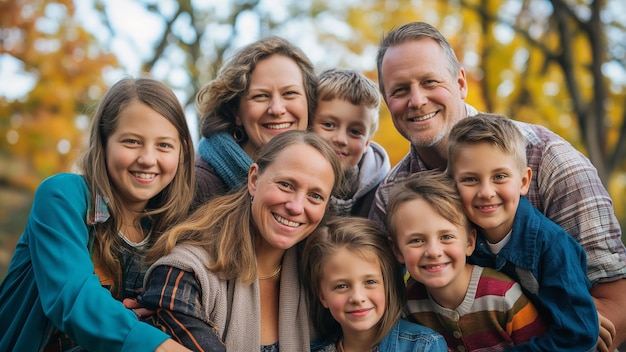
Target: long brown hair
{"type": "Point", "coordinates": [224, 226]}
{"type": "Point", "coordinates": [167, 207]}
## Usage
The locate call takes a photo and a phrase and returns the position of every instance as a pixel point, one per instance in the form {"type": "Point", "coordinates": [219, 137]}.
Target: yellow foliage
{"type": "Point", "coordinates": [65, 73]}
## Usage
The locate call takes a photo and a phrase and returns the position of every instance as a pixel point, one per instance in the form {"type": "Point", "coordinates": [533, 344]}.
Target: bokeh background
{"type": "Point", "coordinates": [558, 63]}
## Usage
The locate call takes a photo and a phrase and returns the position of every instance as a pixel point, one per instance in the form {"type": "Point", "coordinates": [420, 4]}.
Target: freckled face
{"type": "Point", "coordinates": [424, 99]}
{"type": "Point", "coordinates": [352, 288]}
{"type": "Point", "coordinates": [142, 154]}
{"type": "Point", "coordinates": [290, 195]}
{"type": "Point", "coordinates": [274, 103]}
{"type": "Point", "coordinates": [347, 127]}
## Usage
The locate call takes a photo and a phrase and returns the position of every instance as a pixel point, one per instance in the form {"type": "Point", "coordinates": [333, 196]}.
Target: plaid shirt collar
{"type": "Point", "coordinates": [100, 212]}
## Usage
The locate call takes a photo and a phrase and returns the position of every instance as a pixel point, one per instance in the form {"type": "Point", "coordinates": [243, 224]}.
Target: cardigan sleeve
{"type": "Point", "coordinates": [71, 294]}
{"type": "Point", "coordinates": [175, 294]}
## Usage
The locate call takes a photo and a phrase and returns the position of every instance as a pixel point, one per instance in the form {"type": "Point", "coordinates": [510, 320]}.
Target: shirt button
{"type": "Point", "coordinates": [456, 334]}
{"type": "Point", "coordinates": [461, 348]}
{"type": "Point", "coordinates": [455, 316]}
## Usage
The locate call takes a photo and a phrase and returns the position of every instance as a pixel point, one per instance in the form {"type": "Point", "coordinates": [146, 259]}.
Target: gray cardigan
{"type": "Point", "coordinates": [240, 320]}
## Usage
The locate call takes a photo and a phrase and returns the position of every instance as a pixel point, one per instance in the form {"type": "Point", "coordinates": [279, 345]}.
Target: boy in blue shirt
{"type": "Point", "coordinates": [487, 160]}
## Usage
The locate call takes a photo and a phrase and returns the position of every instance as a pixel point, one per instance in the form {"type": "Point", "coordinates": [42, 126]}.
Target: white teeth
{"type": "Point", "coordinates": [143, 175]}
{"type": "Point", "coordinates": [286, 222]}
{"type": "Point", "coordinates": [424, 117]}
{"type": "Point", "coordinates": [487, 206]}
{"type": "Point", "coordinates": [278, 126]}
{"type": "Point", "coordinates": [435, 266]}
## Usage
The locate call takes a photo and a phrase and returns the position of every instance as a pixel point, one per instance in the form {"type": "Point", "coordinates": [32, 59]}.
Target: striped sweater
{"type": "Point", "coordinates": [494, 315]}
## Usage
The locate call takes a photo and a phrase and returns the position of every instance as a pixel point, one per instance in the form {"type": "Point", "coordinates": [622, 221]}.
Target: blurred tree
{"type": "Point", "coordinates": [197, 37]}
{"type": "Point", "coordinates": [556, 66]}
{"type": "Point", "coordinates": [43, 129]}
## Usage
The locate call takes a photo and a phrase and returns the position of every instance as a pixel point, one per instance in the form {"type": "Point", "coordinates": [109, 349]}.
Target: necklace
{"type": "Point", "coordinates": [278, 269]}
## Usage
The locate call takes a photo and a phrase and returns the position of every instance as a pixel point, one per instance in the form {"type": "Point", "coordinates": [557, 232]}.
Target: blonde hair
{"type": "Point", "coordinates": [224, 226]}
{"type": "Point", "coordinates": [366, 239]}
{"type": "Point", "coordinates": [218, 101]}
{"type": "Point", "coordinates": [164, 209]}
{"type": "Point", "coordinates": [493, 129]}
{"type": "Point", "coordinates": [351, 86]}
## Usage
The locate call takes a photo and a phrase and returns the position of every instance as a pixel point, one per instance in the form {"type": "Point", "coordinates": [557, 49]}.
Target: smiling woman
{"type": "Point", "coordinates": [265, 89]}
{"type": "Point", "coordinates": [222, 274]}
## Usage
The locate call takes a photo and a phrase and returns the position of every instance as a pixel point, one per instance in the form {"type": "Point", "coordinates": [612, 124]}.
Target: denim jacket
{"type": "Point", "coordinates": [404, 337]}
{"type": "Point", "coordinates": [551, 267]}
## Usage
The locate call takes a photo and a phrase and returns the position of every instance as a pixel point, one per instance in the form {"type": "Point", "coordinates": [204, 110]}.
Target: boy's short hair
{"type": "Point", "coordinates": [496, 130]}
{"type": "Point", "coordinates": [351, 86]}
{"type": "Point", "coordinates": [434, 187]}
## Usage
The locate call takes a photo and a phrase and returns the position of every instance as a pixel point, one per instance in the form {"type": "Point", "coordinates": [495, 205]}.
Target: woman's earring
{"type": "Point", "coordinates": [238, 134]}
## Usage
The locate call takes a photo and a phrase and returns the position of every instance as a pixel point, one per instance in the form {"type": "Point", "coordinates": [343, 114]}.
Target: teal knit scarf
{"type": "Point", "coordinates": [226, 157]}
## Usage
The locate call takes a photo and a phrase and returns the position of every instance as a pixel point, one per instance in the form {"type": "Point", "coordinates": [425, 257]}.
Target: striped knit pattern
{"type": "Point", "coordinates": [494, 315]}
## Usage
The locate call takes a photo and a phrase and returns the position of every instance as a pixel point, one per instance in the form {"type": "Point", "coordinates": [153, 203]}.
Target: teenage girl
{"type": "Point", "coordinates": [81, 253]}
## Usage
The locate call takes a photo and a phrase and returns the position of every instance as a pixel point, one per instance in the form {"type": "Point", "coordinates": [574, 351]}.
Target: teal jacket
{"type": "Point", "coordinates": [51, 281]}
